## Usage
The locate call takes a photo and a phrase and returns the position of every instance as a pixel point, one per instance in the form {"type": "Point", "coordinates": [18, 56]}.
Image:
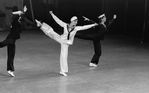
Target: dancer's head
{"type": "Point", "coordinates": [14, 9]}
{"type": "Point", "coordinates": [102, 18]}
{"type": "Point", "coordinates": [16, 12]}
{"type": "Point", "coordinates": [73, 22]}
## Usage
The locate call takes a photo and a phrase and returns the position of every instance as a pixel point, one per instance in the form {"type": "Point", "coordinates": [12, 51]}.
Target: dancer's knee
{"type": "Point", "coordinates": [46, 27]}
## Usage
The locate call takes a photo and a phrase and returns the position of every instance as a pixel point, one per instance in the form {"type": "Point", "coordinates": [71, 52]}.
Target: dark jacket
{"type": "Point", "coordinates": [99, 32]}
{"type": "Point", "coordinates": [16, 23]}
{"type": "Point", "coordinates": [96, 33]}
{"type": "Point", "coordinates": [15, 29]}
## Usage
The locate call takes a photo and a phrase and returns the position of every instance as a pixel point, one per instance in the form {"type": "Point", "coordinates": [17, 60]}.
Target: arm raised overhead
{"type": "Point", "coordinates": [58, 21]}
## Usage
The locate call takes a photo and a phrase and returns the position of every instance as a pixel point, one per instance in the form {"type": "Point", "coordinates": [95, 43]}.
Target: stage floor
{"type": "Point", "coordinates": [123, 66]}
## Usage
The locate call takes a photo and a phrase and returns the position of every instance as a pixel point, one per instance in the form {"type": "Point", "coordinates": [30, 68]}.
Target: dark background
{"type": "Point", "coordinates": [132, 15]}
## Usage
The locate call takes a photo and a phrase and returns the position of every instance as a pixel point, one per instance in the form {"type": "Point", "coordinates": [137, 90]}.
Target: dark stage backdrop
{"type": "Point", "coordinates": [132, 19]}
{"type": "Point", "coordinates": [132, 16]}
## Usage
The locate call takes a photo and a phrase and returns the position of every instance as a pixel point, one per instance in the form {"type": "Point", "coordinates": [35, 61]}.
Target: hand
{"type": "Point", "coordinates": [85, 18]}
{"type": "Point", "coordinates": [114, 16]}
{"type": "Point", "coordinates": [17, 13]}
{"type": "Point", "coordinates": [96, 24]}
{"type": "Point", "coordinates": [51, 12]}
{"type": "Point", "coordinates": [24, 9]}
{"type": "Point", "coordinates": [38, 23]}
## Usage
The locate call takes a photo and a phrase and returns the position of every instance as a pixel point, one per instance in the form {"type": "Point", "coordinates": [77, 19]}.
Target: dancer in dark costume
{"type": "Point", "coordinates": [96, 37]}
{"type": "Point", "coordinates": [15, 30]}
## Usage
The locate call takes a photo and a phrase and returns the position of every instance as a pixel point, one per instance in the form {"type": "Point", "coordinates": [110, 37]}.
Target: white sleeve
{"type": "Point", "coordinates": [58, 21]}
{"type": "Point", "coordinates": [78, 28]}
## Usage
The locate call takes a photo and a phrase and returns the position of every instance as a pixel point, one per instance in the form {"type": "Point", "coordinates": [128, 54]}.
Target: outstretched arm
{"type": "Point", "coordinates": [78, 28]}
{"type": "Point", "coordinates": [25, 19]}
{"type": "Point", "coordinates": [58, 21]}
{"type": "Point", "coordinates": [111, 21]}
{"type": "Point", "coordinates": [20, 12]}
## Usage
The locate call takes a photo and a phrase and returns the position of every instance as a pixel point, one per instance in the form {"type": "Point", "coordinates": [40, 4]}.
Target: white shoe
{"type": "Point", "coordinates": [11, 73]}
{"type": "Point", "coordinates": [63, 73]}
{"type": "Point", "coordinates": [92, 65]}
{"type": "Point", "coordinates": [38, 23]}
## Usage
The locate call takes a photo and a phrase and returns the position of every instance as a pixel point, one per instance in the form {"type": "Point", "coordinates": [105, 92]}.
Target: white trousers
{"type": "Point", "coordinates": [64, 46]}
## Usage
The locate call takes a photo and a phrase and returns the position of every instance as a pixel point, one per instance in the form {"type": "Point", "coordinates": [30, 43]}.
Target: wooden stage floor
{"type": "Point", "coordinates": [123, 66]}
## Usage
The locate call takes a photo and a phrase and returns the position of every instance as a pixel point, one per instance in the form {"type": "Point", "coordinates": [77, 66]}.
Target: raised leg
{"type": "Point", "coordinates": [48, 30]}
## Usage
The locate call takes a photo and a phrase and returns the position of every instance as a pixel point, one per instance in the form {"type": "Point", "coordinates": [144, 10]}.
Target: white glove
{"type": "Point", "coordinates": [85, 18]}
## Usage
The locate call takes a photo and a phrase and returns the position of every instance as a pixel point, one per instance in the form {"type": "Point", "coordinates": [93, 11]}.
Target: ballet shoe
{"type": "Point", "coordinates": [38, 23]}
{"type": "Point", "coordinates": [63, 73]}
{"type": "Point", "coordinates": [92, 65]}
{"type": "Point", "coordinates": [11, 73]}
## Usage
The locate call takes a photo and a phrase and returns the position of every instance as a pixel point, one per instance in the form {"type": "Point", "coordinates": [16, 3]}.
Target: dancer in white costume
{"type": "Point", "coordinates": [65, 39]}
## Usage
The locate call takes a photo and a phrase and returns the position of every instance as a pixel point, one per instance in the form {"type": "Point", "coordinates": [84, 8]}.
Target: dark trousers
{"type": "Point", "coordinates": [10, 43]}
{"type": "Point", "coordinates": [96, 43]}
{"type": "Point", "coordinates": [97, 50]}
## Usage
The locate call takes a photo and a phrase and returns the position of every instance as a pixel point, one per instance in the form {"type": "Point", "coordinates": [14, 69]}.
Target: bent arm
{"type": "Point", "coordinates": [78, 28]}
{"type": "Point", "coordinates": [57, 20]}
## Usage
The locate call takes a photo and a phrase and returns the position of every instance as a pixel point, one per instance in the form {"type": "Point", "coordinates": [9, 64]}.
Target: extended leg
{"type": "Point", "coordinates": [5, 42]}
{"type": "Point", "coordinates": [48, 30]}
{"type": "Point", "coordinates": [85, 36]}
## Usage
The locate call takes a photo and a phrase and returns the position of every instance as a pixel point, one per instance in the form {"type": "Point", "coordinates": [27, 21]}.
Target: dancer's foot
{"type": "Point", "coordinates": [63, 73]}
{"type": "Point", "coordinates": [11, 73]}
{"type": "Point", "coordinates": [38, 23]}
{"type": "Point", "coordinates": [93, 65]}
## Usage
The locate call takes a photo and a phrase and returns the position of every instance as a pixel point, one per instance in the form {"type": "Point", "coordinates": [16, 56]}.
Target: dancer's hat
{"type": "Point", "coordinates": [73, 18]}
{"type": "Point", "coordinates": [101, 16]}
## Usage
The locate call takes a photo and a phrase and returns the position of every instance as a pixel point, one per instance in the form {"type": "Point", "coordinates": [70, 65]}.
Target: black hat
{"type": "Point", "coordinates": [101, 16]}
{"type": "Point", "coordinates": [15, 8]}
